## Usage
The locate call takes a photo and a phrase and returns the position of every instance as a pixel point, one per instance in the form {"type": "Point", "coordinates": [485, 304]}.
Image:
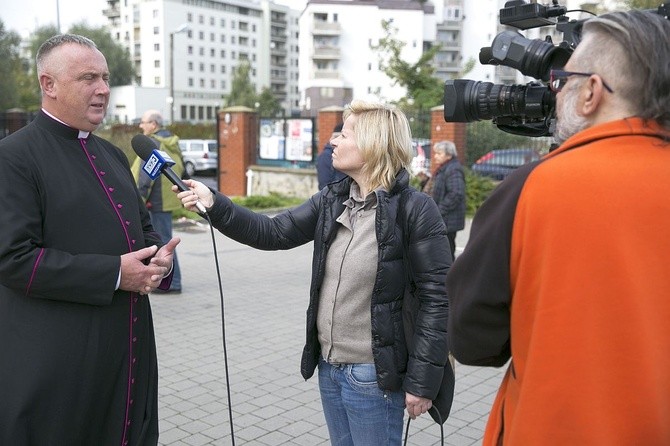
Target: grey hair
{"type": "Point", "coordinates": [640, 62]}
{"type": "Point", "coordinates": [446, 147]}
{"type": "Point", "coordinates": [155, 116]}
{"type": "Point", "coordinates": [56, 41]}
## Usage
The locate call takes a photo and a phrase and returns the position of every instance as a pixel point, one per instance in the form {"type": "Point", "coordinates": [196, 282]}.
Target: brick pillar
{"type": "Point", "coordinates": [327, 119]}
{"type": "Point", "coordinates": [238, 139]}
{"type": "Point", "coordinates": [452, 131]}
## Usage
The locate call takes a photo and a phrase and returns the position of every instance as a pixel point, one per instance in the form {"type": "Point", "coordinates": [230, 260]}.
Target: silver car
{"type": "Point", "coordinates": [199, 155]}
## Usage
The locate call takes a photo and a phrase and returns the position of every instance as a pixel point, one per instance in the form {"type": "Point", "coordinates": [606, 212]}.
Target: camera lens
{"type": "Point", "coordinates": [467, 101]}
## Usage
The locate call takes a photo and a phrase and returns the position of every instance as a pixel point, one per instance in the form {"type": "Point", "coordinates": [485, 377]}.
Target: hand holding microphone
{"type": "Point", "coordinates": [156, 162]}
{"type": "Point", "coordinates": [197, 194]}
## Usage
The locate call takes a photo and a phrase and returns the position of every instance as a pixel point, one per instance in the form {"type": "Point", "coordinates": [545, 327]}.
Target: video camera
{"type": "Point", "coordinates": [527, 110]}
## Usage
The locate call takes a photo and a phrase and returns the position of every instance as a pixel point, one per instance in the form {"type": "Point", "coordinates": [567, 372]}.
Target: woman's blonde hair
{"type": "Point", "coordinates": [384, 139]}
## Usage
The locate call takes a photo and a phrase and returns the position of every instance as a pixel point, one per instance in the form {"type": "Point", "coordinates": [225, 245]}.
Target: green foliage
{"type": "Point", "coordinates": [477, 189]}
{"type": "Point", "coordinates": [274, 200]}
{"type": "Point", "coordinates": [10, 68]}
{"type": "Point", "coordinates": [423, 89]}
{"type": "Point", "coordinates": [242, 91]}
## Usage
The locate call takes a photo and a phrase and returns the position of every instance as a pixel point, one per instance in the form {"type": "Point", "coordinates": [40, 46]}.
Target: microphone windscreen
{"type": "Point", "coordinates": [143, 146]}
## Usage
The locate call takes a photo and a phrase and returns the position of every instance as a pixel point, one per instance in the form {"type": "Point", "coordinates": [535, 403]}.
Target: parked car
{"type": "Point", "coordinates": [199, 155]}
{"type": "Point", "coordinates": [497, 164]}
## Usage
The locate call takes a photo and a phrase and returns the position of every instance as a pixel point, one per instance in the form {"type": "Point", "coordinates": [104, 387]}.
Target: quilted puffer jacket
{"type": "Point", "coordinates": [409, 316]}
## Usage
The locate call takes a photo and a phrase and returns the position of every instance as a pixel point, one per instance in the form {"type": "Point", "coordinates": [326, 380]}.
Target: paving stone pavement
{"type": "Point", "coordinates": [265, 297]}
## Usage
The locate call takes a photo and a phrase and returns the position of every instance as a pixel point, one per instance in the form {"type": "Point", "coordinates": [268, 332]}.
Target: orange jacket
{"type": "Point", "coordinates": [567, 271]}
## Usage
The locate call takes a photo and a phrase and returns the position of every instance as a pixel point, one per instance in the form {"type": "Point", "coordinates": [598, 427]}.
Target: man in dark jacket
{"type": "Point", "coordinates": [325, 171]}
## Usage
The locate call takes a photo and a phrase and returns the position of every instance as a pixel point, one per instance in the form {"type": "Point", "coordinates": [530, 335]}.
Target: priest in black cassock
{"type": "Point", "coordinates": [78, 257]}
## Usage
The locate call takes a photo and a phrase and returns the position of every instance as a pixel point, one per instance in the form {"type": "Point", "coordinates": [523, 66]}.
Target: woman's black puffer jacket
{"type": "Point", "coordinates": [409, 354]}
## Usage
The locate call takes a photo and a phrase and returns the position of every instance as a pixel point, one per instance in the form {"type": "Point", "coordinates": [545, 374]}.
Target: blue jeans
{"type": "Point", "coordinates": [357, 411]}
{"type": "Point", "coordinates": [162, 223]}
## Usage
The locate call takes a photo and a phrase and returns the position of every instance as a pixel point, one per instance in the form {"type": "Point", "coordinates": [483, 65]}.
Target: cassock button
{"type": "Point", "coordinates": [102, 172]}
{"type": "Point", "coordinates": [133, 241]}
{"type": "Point", "coordinates": [135, 337]}
{"type": "Point", "coordinates": [128, 423]}
{"type": "Point", "coordinates": [111, 189]}
{"type": "Point", "coordinates": [132, 381]}
{"type": "Point", "coordinates": [131, 402]}
{"type": "Point", "coordinates": [93, 157]}
{"type": "Point", "coordinates": [134, 360]}
{"type": "Point", "coordinates": [135, 300]}
{"type": "Point", "coordinates": [127, 223]}
{"type": "Point", "coordinates": [119, 205]}
{"type": "Point", "coordinates": [135, 319]}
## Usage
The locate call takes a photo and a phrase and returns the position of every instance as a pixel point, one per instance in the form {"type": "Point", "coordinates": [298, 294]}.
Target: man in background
{"type": "Point", "coordinates": [566, 267]}
{"type": "Point", "coordinates": [158, 196]}
{"type": "Point", "coordinates": [325, 171]}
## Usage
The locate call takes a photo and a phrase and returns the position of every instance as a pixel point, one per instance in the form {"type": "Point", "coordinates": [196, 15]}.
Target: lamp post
{"type": "Point", "coordinates": [170, 99]}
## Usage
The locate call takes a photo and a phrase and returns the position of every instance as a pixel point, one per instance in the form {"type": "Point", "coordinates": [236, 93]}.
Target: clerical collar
{"type": "Point", "coordinates": [82, 134]}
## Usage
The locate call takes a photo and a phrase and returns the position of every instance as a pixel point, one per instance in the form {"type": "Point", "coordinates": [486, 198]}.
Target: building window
{"type": "Point", "coordinates": [157, 46]}
{"type": "Point", "coordinates": [201, 19]}
{"type": "Point", "coordinates": [154, 13]}
{"type": "Point", "coordinates": [157, 63]}
{"type": "Point", "coordinates": [223, 23]}
{"type": "Point", "coordinates": [157, 30]}
{"type": "Point", "coordinates": [189, 17]}
{"type": "Point", "coordinates": [190, 66]}
{"type": "Point", "coordinates": [201, 35]}
{"type": "Point", "coordinates": [223, 54]}
{"type": "Point", "coordinates": [190, 50]}
{"type": "Point", "coordinates": [202, 67]}
{"type": "Point", "coordinates": [202, 83]}
{"type": "Point", "coordinates": [157, 80]}
{"type": "Point", "coordinates": [190, 81]}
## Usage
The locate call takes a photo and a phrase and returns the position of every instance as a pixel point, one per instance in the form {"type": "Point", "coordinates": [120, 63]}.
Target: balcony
{"type": "Point", "coordinates": [326, 52]}
{"type": "Point", "coordinates": [321, 28]}
{"type": "Point", "coordinates": [326, 74]}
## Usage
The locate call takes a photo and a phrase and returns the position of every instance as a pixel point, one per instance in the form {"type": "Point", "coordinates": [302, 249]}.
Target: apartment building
{"type": "Point", "coordinates": [187, 50]}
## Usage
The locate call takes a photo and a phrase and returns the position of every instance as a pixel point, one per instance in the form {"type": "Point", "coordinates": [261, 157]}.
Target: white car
{"type": "Point", "coordinates": [199, 155]}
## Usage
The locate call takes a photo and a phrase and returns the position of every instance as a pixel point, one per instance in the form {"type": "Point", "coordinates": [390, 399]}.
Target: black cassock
{"type": "Point", "coordinates": [78, 359]}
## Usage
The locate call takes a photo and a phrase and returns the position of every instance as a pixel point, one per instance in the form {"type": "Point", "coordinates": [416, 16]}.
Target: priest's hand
{"type": "Point", "coordinates": [165, 255]}
{"type": "Point", "coordinates": [139, 277]}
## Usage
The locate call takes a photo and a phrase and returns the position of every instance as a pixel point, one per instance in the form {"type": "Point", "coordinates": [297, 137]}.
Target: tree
{"type": "Point", "coordinates": [424, 90]}
{"type": "Point", "coordinates": [242, 91]}
{"type": "Point", "coordinates": [268, 105]}
{"type": "Point", "coordinates": [10, 68]}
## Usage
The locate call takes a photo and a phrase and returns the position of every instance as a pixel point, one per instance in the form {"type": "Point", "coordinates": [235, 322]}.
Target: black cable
{"type": "Point", "coordinates": [439, 421]}
{"type": "Point", "coordinates": [223, 330]}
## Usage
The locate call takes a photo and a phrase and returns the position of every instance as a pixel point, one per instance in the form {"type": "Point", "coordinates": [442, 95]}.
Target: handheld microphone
{"type": "Point", "coordinates": [157, 162]}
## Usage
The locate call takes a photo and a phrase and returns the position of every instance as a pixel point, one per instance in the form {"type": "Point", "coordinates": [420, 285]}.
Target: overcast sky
{"type": "Point", "coordinates": [24, 16]}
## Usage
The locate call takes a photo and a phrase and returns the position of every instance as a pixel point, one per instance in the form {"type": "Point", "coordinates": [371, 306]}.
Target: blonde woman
{"type": "Point", "coordinates": [376, 321]}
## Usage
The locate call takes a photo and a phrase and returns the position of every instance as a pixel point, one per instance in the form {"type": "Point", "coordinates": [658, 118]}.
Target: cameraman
{"type": "Point", "coordinates": [566, 269]}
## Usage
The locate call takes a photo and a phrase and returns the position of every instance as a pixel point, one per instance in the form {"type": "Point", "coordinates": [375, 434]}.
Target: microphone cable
{"type": "Point", "coordinates": [223, 328]}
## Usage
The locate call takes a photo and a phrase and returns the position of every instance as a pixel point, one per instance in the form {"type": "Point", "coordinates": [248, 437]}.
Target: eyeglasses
{"type": "Point", "coordinates": [558, 79]}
